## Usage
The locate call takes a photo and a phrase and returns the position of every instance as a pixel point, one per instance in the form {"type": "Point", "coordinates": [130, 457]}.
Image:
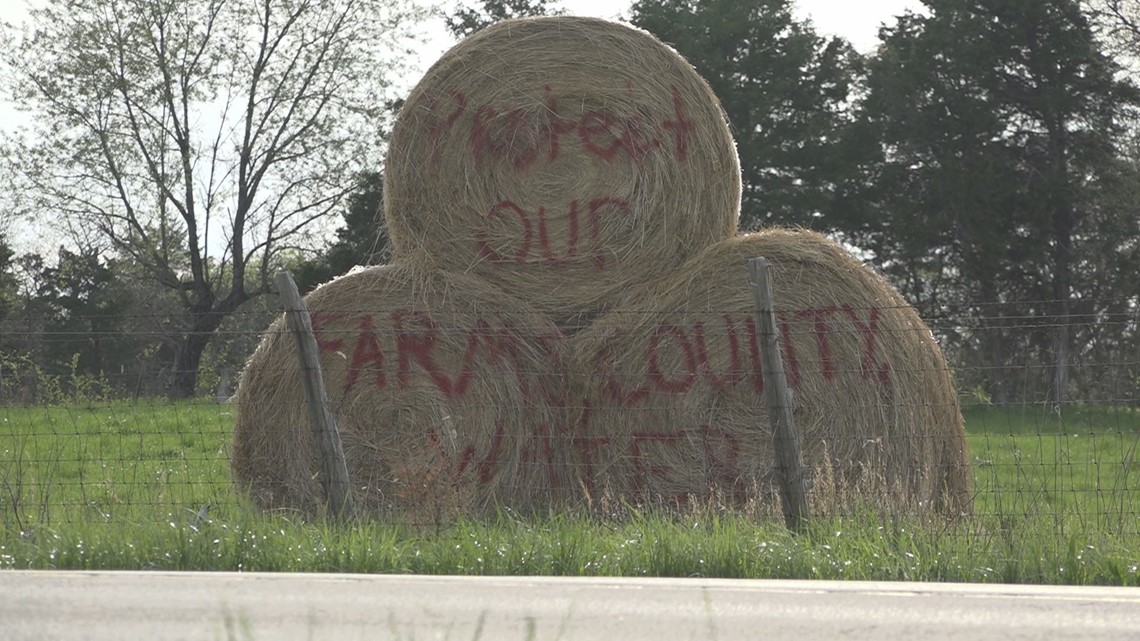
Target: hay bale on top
{"type": "Point", "coordinates": [561, 159]}
{"type": "Point", "coordinates": [677, 406]}
{"type": "Point", "coordinates": [445, 392]}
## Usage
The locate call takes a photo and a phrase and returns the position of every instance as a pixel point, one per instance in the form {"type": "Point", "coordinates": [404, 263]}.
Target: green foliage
{"type": "Point", "coordinates": [111, 463]}
{"type": "Point", "coordinates": [473, 16]}
{"type": "Point", "coordinates": [1073, 467]}
{"type": "Point", "coordinates": [970, 117]}
{"type": "Point", "coordinates": [865, 547]}
{"type": "Point", "coordinates": [999, 123]}
{"type": "Point", "coordinates": [235, 341]}
{"type": "Point", "coordinates": [361, 240]}
{"type": "Point", "coordinates": [87, 308]}
{"type": "Point", "coordinates": [23, 380]}
{"type": "Point", "coordinates": [785, 90]}
{"type": "Point", "coordinates": [75, 324]}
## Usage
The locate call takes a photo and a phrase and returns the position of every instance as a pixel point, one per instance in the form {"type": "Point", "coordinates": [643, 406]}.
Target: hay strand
{"type": "Point", "coordinates": [446, 393]}
{"type": "Point", "coordinates": [561, 159]}
{"type": "Point", "coordinates": [676, 407]}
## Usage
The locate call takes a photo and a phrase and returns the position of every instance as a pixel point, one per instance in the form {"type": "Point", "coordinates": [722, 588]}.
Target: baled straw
{"type": "Point", "coordinates": [561, 159]}
{"type": "Point", "coordinates": [446, 393]}
{"type": "Point", "coordinates": [676, 406]}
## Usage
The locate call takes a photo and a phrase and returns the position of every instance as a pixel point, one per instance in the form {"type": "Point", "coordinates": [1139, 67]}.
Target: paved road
{"type": "Point", "coordinates": [156, 606]}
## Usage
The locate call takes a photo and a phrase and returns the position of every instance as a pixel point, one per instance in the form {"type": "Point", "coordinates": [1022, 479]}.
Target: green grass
{"type": "Point", "coordinates": [1077, 469]}
{"type": "Point", "coordinates": [120, 487]}
{"type": "Point", "coordinates": [119, 462]}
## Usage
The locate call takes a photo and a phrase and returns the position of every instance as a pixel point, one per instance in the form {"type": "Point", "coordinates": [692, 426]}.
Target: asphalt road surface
{"type": "Point", "coordinates": [155, 606]}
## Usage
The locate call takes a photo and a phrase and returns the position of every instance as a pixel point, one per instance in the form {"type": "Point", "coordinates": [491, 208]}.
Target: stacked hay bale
{"type": "Point", "coordinates": [677, 407]}
{"type": "Point", "coordinates": [446, 394]}
{"type": "Point", "coordinates": [560, 159]}
{"type": "Point", "coordinates": [583, 167]}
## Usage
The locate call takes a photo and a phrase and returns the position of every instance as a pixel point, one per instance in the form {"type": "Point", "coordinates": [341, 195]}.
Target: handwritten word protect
{"type": "Point", "coordinates": [521, 137]}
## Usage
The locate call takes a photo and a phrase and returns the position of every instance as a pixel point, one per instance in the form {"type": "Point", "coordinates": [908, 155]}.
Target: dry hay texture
{"type": "Point", "coordinates": [584, 167]}
{"type": "Point", "coordinates": [675, 408]}
{"type": "Point", "coordinates": [561, 159]}
{"type": "Point", "coordinates": [445, 392]}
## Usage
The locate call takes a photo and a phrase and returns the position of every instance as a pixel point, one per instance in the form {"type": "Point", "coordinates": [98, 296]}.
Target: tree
{"type": "Point", "coordinates": [1120, 22]}
{"type": "Point", "coordinates": [201, 138]}
{"type": "Point", "coordinates": [999, 123]}
{"type": "Point", "coordinates": [357, 241]}
{"type": "Point", "coordinates": [9, 283]}
{"type": "Point", "coordinates": [469, 18]}
{"type": "Point", "coordinates": [785, 90]}
{"type": "Point", "coordinates": [87, 305]}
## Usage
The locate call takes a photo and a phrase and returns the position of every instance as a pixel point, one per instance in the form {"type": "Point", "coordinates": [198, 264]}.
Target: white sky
{"type": "Point", "coordinates": [856, 20]}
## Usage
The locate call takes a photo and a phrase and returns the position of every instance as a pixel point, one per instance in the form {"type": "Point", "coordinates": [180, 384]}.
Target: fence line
{"type": "Point", "coordinates": [78, 443]}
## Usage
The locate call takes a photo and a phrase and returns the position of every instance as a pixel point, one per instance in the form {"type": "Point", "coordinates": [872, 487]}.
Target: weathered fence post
{"type": "Point", "coordinates": [334, 471]}
{"type": "Point", "coordinates": [785, 438]}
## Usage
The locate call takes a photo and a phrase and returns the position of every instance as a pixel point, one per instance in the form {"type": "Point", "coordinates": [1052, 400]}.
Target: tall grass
{"type": "Point", "coordinates": [146, 486]}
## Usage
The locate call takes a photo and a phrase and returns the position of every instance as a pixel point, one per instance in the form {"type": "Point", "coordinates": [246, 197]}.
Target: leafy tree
{"type": "Point", "coordinates": [471, 17]}
{"type": "Point", "coordinates": [358, 240]}
{"type": "Point", "coordinates": [785, 90]}
{"type": "Point", "coordinates": [85, 328]}
{"type": "Point", "coordinates": [23, 319]}
{"type": "Point", "coordinates": [999, 122]}
{"type": "Point", "coordinates": [200, 138]}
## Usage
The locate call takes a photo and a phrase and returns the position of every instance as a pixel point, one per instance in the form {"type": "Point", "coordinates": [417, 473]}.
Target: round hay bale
{"type": "Point", "coordinates": [677, 406]}
{"type": "Point", "coordinates": [562, 159]}
{"type": "Point", "coordinates": [446, 394]}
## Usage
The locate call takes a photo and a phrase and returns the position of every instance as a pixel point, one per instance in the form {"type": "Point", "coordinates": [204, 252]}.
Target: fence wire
{"type": "Point", "coordinates": [445, 414]}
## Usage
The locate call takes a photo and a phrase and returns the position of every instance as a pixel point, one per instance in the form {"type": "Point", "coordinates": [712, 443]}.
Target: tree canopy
{"type": "Point", "coordinates": [786, 91]}
{"type": "Point", "coordinates": [204, 139]}
{"type": "Point", "coordinates": [999, 123]}
{"type": "Point", "coordinates": [473, 16]}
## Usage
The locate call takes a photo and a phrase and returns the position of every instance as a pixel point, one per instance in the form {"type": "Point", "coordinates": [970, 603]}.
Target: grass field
{"type": "Point", "coordinates": [123, 486]}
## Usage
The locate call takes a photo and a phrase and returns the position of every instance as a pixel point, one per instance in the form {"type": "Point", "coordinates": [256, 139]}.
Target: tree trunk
{"type": "Point", "coordinates": [1062, 292]}
{"type": "Point", "coordinates": [189, 356]}
{"type": "Point", "coordinates": [1061, 371]}
{"type": "Point", "coordinates": [186, 363]}
{"type": "Point", "coordinates": [999, 392]}
{"type": "Point", "coordinates": [1061, 286]}
{"type": "Point", "coordinates": [1064, 226]}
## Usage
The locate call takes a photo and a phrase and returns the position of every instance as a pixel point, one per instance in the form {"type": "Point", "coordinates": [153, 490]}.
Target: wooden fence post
{"type": "Point", "coordinates": [333, 470]}
{"type": "Point", "coordinates": [785, 438]}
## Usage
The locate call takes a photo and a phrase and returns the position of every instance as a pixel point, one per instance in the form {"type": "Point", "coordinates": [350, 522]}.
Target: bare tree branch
{"type": "Point", "coordinates": [142, 139]}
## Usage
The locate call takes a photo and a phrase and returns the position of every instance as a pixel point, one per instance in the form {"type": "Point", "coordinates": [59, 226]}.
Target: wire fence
{"type": "Point", "coordinates": [446, 413]}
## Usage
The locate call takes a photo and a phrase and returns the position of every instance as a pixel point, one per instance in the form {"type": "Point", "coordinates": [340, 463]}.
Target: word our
{"type": "Point", "coordinates": [535, 245]}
